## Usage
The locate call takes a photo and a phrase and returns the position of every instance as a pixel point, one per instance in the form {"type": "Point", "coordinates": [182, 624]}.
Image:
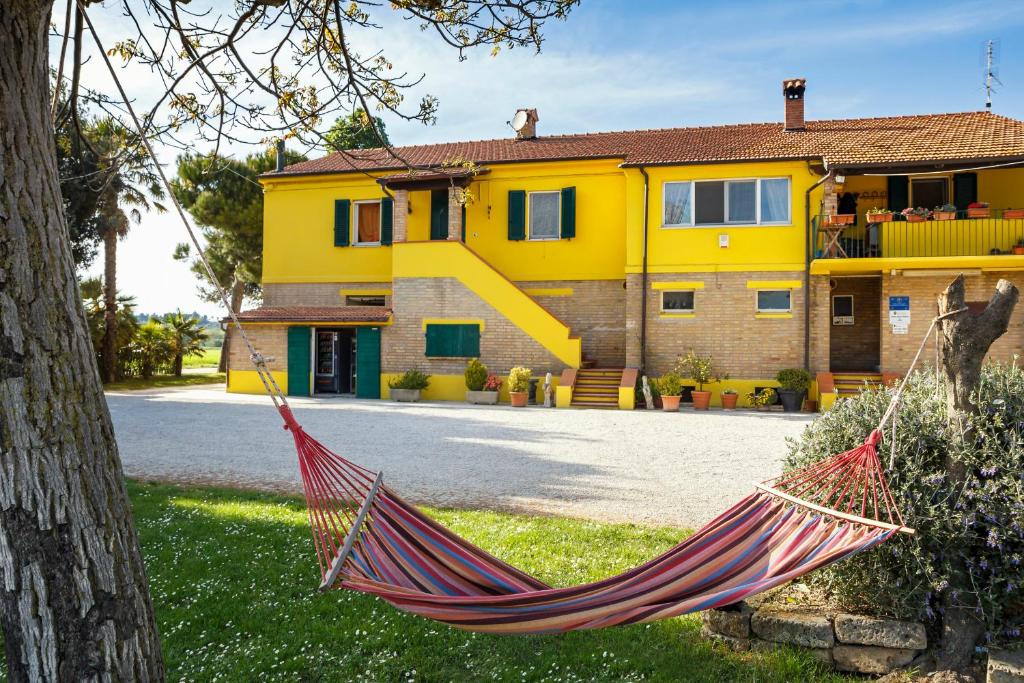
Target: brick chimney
{"type": "Point", "coordinates": [529, 130]}
{"type": "Point", "coordinates": [793, 91]}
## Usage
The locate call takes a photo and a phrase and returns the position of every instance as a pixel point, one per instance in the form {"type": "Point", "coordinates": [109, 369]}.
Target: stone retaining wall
{"type": "Point", "coordinates": [849, 642]}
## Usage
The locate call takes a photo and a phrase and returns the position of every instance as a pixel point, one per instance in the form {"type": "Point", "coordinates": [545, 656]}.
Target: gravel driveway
{"type": "Point", "coordinates": [655, 468]}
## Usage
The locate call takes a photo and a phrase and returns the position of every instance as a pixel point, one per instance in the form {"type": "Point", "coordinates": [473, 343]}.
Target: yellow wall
{"type": "Point", "coordinates": [453, 388]}
{"type": "Point", "coordinates": [696, 248]}
{"type": "Point", "coordinates": [248, 381]}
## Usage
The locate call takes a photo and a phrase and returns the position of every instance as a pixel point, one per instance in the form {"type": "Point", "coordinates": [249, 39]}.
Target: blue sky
{"type": "Point", "coordinates": [653, 63]}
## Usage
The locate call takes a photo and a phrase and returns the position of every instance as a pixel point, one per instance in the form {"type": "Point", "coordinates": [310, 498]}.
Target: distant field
{"type": "Point", "coordinates": [209, 359]}
{"type": "Point", "coordinates": [159, 381]}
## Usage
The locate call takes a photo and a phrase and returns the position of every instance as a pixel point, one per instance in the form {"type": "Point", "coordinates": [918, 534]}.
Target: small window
{"type": "Point", "coordinates": [677, 302]}
{"type": "Point", "coordinates": [545, 211]}
{"type": "Point", "coordinates": [364, 300]}
{"type": "Point", "coordinates": [367, 226]}
{"type": "Point", "coordinates": [678, 204]}
{"type": "Point", "coordinates": [453, 341]}
{"type": "Point", "coordinates": [842, 309]}
{"type": "Point", "coordinates": [774, 301]}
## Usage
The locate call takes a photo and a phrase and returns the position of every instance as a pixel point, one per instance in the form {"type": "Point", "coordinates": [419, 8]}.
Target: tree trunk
{"type": "Point", "coordinates": [966, 338]}
{"type": "Point", "coordinates": [109, 356]}
{"type": "Point", "coordinates": [74, 604]}
{"type": "Point", "coordinates": [179, 362]}
{"type": "Point", "coordinates": [237, 296]}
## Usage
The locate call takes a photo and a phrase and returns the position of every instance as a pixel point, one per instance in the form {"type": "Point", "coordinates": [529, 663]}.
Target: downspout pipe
{"type": "Point", "coordinates": [643, 274]}
{"type": "Point", "coordinates": [808, 257]}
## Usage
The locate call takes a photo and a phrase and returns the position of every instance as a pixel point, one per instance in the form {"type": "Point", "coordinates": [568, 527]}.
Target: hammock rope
{"type": "Point", "coordinates": [366, 538]}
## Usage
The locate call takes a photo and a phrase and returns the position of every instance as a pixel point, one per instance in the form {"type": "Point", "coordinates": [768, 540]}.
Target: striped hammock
{"type": "Point", "coordinates": [370, 540]}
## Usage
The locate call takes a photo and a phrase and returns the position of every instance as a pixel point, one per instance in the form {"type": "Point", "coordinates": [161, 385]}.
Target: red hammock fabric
{"type": "Point", "coordinates": [766, 539]}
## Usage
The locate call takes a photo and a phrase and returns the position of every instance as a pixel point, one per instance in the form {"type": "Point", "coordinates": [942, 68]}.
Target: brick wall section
{"type": "Point", "coordinates": [634, 302]}
{"type": "Point", "coordinates": [821, 323]}
{"type": "Point", "coordinates": [856, 347]}
{"type": "Point", "coordinates": [455, 213]}
{"type": "Point", "coordinates": [315, 293]}
{"type": "Point", "coordinates": [502, 344]}
{"type": "Point", "coordinates": [270, 340]}
{"type": "Point", "coordinates": [400, 216]}
{"type": "Point", "coordinates": [898, 349]}
{"type": "Point", "coordinates": [596, 312]}
{"type": "Point", "coordinates": [725, 326]}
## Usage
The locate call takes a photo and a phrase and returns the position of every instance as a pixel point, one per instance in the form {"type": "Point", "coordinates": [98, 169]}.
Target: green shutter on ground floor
{"type": "Point", "coordinates": [368, 362]}
{"type": "Point", "coordinates": [452, 341]}
{"type": "Point", "coordinates": [298, 361]}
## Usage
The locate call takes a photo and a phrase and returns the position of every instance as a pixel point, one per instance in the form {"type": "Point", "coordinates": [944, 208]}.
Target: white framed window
{"type": "Point", "coordinates": [544, 212]}
{"type": "Point", "coordinates": [677, 301]}
{"type": "Point", "coordinates": [739, 201]}
{"type": "Point", "coordinates": [366, 226]}
{"type": "Point", "coordinates": [774, 301]}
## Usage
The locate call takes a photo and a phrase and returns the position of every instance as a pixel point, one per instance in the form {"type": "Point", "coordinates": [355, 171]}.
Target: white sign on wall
{"type": "Point", "coordinates": [899, 314]}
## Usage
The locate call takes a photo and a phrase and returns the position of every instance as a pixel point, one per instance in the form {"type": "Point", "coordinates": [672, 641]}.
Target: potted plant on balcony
{"type": "Point", "coordinates": [702, 370]}
{"type": "Point", "coordinates": [978, 210]}
{"type": "Point", "coordinates": [1013, 213]}
{"type": "Point", "coordinates": [877, 215]}
{"type": "Point", "coordinates": [840, 219]}
{"type": "Point", "coordinates": [916, 214]}
{"type": "Point", "coordinates": [480, 390]}
{"type": "Point", "coordinates": [1018, 249]}
{"type": "Point", "coordinates": [946, 212]}
{"type": "Point", "coordinates": [729, 398]}
{"type": "Point", "coordinates": [670, 387]}
{"type": "Point", "coordinates": [793, 384]}
{"type": "Point", "coordinates": [519, 386]}
{"type": "Point", "coordinates": [408, 386]}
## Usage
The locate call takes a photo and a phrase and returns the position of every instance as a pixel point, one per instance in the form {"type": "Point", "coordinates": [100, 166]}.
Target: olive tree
{"type": "Point", "coordinates": [74, 603]}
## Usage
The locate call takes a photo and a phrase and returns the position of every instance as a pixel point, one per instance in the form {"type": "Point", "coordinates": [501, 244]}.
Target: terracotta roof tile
{"type": "Point", "coordinates": [317, 314]}
{"type": "Point", "coordinates": [842, 142]}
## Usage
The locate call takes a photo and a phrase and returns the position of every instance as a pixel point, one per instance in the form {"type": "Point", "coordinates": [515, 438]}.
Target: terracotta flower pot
{"type": "Point", "coordinates": [944, 215]}
{"type": "Point", "coordinates": [518, 398]}
{"type": "Point", "coordinates": [670, 404]}
{"type": "Point", "coordinates": [916, 218]}
{"type": "Point", "coordinates": [810, 406]}
{"type": "Point", "coordinates": [729, 401]}
{"type": "Point", "coordinates": [982, 212]}
{"type": "Point", "coordinates": [841, 219]}
{"type": "Point", "coordinates": [1013, 213]}
{"type": "Point", "coordinates": [1018, 249]}
{"type": "Point", "coordinates": [701, 399]}
{"type": "Point", "coordinates": [879, 217]}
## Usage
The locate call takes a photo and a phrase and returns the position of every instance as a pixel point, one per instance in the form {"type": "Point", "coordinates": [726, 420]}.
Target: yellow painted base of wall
{"type": "Point", "coordinates": [453, 388]}
{"type": "Point", "coordinates": [248, 381]}
{"type": "Point", "coordinates": [742, 387]}
{"type": "Point", "coordinates": [827, 400]}
{"type": "Point", "coordinates": [627, 398]}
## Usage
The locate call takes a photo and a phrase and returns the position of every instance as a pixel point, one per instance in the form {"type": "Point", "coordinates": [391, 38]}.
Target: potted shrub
{"type": "Point", "coordinates": [702, 370]}
{"type": "Point", "coordinates": [793, 384]}
{"type": "Point", "coordinates": [763, 399]}
{"type": "Point", "coordinates": [670, 387]}
{"type": "Point", "coordinates": [408, 386]}
{"type": "Point", "coordinates": [978, 210]}
{"type": "Point", "coordinates": [729, 397]}
{"type": "Point", "coordinates": [1013, 213]}
{"type": "Point", "coordinates": [877, 215]}
{"type": "Point", "coordinates": [916, 215]}
{"type": "Point", "coordinates": [946, 212]}
{"type": "Point", "coordinates": [519, 386]}
{"type": "Point", "coordinates": [1018, 248]}
{"type": "Point", "coordinates": [476, 384]}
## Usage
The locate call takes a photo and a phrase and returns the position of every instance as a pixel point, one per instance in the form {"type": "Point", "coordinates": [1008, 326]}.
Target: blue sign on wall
{"type": "Point", "coordinates": [899, 303]}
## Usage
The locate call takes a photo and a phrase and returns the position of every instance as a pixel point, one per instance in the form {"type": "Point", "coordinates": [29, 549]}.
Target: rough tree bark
{"type": "Point", "coordinates": [74, 603]}
{"type": "Point", "coordinates": [966, 338]}
{"type": "Point", "coordinates": [237, 297]}
{"type": "Point", "coordinates": [109, 367]}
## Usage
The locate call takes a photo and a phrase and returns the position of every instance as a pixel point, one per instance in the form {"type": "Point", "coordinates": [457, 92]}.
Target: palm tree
{"type": "Point", "coordinates": [153, 347]}
{"type": "Point", "coordinates": [124, 179]}
{"type": "Point", "coordinates": [127, 324]}
{"type": "Point", "coordinates": [187, 335]}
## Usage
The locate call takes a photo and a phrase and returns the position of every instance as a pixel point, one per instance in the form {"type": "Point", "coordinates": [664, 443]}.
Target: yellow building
{"type": "Point", "coordinates": [601, 256]}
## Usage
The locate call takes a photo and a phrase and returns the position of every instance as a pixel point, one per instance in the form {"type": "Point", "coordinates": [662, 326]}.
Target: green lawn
{"type": "Point", "coordinates": [159, 381]}
{"type": "Point", "coordinates": [208, 359]}
{"type": "Point", "coordinates": [234, 582]}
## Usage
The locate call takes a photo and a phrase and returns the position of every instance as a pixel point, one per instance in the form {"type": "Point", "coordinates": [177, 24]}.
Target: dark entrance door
{"type": "Point", "coordinates": [439, 214]}
{"type": "Point", "coordinates": [335, 361]}
{"type": "Point", "coordinates": [855, 330]}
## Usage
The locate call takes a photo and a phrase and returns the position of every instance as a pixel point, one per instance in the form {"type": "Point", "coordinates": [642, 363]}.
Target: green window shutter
{"type": "Point", "coordinates": [368, 362]}
{"type": "Point", "coordinates": [517, 214]}
{"type": "Point", "coordinates": [298, 361]}
{"type": "Point", "coordinates": [965, 190]}
{"type": "Point", "coordinates": [568, 213]}
{"type": "Point", "coordinates": [464, 229]}
{"type": "Point", "coordinates": [439, 214]}
{"type": "Point", "coordinates": [452, 341]}
{"type": "Point", "coordinates": [341, 222]}
{"type": "Point", "coordinates": [387, 220]}
{"type": "Point", "coordinates": [899, 192]}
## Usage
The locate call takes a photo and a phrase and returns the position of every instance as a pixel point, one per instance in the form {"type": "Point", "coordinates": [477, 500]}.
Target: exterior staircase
{"type": "Point", "coordinates": [597, 388]}
{"type": "Point", "coordinates": [852, 383]}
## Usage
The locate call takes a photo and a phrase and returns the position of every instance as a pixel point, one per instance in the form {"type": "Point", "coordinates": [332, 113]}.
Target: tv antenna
{"type": "Point", "coordinates": [991, 49]}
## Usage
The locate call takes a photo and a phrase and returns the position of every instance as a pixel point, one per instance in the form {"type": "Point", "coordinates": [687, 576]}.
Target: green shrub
{"type": "Point", "coordinates": [969, 544]}
{"type": "Point", "coordinates": [519, 379]}
{"type": "Point", "coordinates": [669, 384]}
{"type": "Point", "coordinates": [410, 379]}
{"type": "Point", "coordinates": [794, 379]}
{"type": "Point", "coordinates": [476, 375]}
{"type": "Point", "coordinates": [700, 368]}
